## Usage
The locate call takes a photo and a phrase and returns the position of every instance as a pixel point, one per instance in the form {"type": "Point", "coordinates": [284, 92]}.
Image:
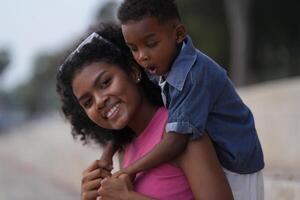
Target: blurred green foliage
{"type": "Point", "coordinates": [275, 49]}
{"type": "Point", "coordinates": [276, 38]}
{"type": "Point", "coordinates": [4, 59]}
{"type": "Point", "coordinates": [206, 24]}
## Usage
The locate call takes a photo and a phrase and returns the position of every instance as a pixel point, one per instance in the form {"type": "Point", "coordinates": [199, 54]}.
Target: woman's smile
{"type": "Point", "coordinates": [112, 112]}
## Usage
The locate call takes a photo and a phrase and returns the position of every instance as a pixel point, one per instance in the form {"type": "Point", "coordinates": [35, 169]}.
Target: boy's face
{"type": "Point", "coordinates": [153, 44]}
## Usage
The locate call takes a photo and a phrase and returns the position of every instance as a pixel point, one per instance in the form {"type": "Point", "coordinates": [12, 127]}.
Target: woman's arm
{"type": "Point", "coordinates": [107, 155]}
{"type": "Point", "coordinates": [203, 171]}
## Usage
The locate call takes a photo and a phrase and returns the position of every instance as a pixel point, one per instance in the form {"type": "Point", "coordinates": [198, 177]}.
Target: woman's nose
{"type": "Point", "coordinates": [101, 101]}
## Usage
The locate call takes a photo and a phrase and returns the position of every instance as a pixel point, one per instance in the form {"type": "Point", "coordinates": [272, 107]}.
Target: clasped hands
{"type": "Point", "coordinates": [99, 183]}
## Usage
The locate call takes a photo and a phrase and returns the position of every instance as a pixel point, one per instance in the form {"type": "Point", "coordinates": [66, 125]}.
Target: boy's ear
{"type": "Point", "coordinates": [180, 33]}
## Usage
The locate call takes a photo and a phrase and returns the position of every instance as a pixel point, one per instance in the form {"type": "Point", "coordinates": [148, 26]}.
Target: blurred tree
{"type": "Point", "coordinates": [238, 17]}
{"type": "Point", "coordinates": [38, 95]}
{"type": "Point", "coordinates": [107, 12]}
{"type": "Point", "coordinates": [266, 41]}
{"type": "Point", "coordinates": [219, 25]}
{"type": "Point", "coordinates": [276, 39]}
{"type": "Point", "coordinates": [206, 24]}
{"type": "Point", "coordinates": [4, 59]}
{"type": "Point", "coordinates": [261, 38]}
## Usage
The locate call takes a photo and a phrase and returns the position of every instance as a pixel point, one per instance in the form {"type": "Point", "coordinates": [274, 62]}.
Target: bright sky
{"type": "Point", "coordinates": [32, 26]}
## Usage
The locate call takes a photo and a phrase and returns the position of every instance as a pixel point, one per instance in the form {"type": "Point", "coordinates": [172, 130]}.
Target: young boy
{"type": "Point", "coordinates": [198, 94]}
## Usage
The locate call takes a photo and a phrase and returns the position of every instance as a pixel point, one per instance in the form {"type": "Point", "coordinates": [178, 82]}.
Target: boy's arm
{"type": "Point", "coordinates": [107, 155]}
{"type": "Point", "coordinates": [169, 147]}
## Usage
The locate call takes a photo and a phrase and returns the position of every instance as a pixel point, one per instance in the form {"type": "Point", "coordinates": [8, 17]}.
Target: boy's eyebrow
{"type": "Point", "coordinates": [150, 35]}
{"type": "Point", "coordinates": [94, 84]}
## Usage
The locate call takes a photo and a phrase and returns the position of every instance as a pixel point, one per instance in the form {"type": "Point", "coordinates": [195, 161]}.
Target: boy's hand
{"type": "Point", "coordinates": [124, 172]}
{"type": "Point", "coordinates": [118, 173]}
{"type": "Point", "coordinates": [115, 188]}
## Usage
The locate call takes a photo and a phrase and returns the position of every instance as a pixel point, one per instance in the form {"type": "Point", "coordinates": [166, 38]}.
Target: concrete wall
{"type": "Point", "coordinates": [42, 161]}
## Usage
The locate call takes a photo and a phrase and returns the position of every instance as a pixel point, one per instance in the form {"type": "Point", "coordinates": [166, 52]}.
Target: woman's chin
{"type": "Point", "coordinates": [120, 124]}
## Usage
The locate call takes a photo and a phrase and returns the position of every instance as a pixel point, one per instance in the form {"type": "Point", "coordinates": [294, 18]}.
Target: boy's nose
{"type": "Point", "coordinates": [143, 56]}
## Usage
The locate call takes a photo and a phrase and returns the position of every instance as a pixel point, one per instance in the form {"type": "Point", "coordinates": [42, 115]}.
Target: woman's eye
{"type": "Point", "coordinates": [105, 82]}
{"type": "Point", "coordinates": [87, 103]}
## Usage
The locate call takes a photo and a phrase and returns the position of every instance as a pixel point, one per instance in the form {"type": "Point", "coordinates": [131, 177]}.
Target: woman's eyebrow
{"type": "Point", "coordinates": [97, 79]}
{"type": "Point", "coordinates": [82, 97]}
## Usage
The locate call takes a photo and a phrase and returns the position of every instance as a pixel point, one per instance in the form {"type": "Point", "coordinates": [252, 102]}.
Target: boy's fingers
{"type": "Point", "coordinates": [126, 178]}
{"type": "Point", "coordinates": [117, 174]}
{"type": "Point", "coordinates": [103, 180]}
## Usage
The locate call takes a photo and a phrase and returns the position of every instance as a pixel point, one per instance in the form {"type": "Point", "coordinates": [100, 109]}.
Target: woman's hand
{"type": "Point", "coordinates": [116, 188]}
{"type": "Point", "coordinates": [91, 180]}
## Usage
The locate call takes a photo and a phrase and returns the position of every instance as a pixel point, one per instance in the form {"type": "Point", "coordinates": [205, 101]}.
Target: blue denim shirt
{"type": "Point", "coordinates": [201, 98]}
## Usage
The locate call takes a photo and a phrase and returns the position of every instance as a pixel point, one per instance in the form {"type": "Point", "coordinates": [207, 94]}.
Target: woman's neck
{"type": "Point", "coordinates": [144, 115]}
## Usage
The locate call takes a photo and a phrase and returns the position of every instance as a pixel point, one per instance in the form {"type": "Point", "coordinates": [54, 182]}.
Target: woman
{"type": "Point", "coordinates": [106, 96]}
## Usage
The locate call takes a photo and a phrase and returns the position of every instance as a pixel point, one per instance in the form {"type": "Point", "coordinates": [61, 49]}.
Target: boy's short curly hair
{"type": "Point", "coordinates": [111, 48]}
{"type": "Point", "coordinates": [136, 10]}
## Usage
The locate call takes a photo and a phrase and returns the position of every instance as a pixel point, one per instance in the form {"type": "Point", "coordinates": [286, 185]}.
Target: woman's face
{"type": "Point", "coordinates": [109, 96]}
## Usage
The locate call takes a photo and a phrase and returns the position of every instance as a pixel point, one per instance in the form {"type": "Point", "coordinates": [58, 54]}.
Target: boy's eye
{"type": "Point", "coordinates": [151, 44]}
{"type": "Point", "coordinates": [133, 49]}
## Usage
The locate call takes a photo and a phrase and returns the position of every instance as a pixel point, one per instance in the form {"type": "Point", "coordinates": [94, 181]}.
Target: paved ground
{"type": "Point", "coordinates": [42, 161]}
{"type": "Point", "coordinates": [22, 182]}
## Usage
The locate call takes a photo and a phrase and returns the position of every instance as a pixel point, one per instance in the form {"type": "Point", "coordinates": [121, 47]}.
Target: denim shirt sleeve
{"type": "Point", "coordinates": [188, 108]}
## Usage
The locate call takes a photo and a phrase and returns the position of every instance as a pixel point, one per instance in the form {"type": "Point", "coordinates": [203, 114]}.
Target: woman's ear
{"type": "Point", "coordinates": [180, 33]}
{"type": "Point", "coordinates": [136, 73]}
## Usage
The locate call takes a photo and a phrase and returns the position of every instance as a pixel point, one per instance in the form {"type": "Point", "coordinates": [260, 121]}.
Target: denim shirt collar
{"type": "Point", "coordinates": [182, 65]}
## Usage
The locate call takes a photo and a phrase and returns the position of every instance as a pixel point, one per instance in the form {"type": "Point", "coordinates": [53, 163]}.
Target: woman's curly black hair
{"type": "Point", "coordinates": [136, 10]}
{"type": "Point", "coordinates": [110, 48]}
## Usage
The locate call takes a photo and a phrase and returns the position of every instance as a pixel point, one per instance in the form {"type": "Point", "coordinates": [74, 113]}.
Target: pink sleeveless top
{"type": "Point", "coordinates": [164, 182]}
